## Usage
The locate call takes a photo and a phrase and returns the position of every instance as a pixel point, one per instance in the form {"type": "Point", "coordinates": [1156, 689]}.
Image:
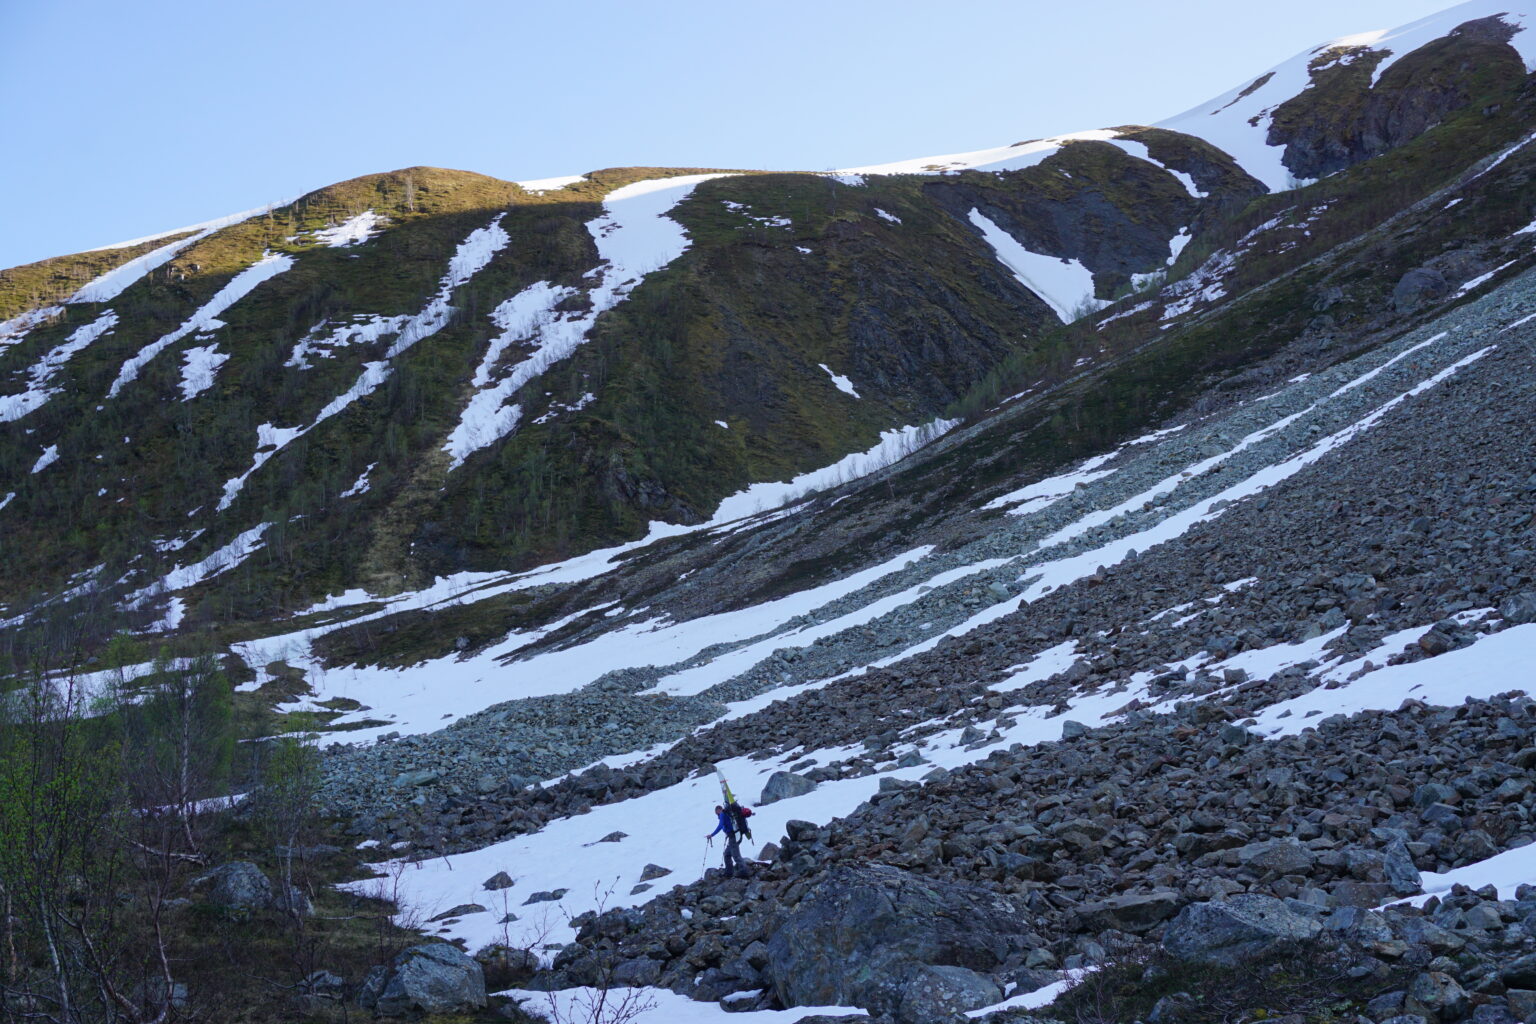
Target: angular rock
{"type": "Point", "coordinates": [1401, 873]}
{"type": "Point", "coordinates": [1520, 972]}
{"type": "Point", "coordinates": [461, 910]}
{"type": "Point", "coordinates": [238, 885]}
{"type": "Point", "coordinates": [1281, 856]}
{"type": "Point", "coordinates": [421, 777]}
{"type": "Point", "coordinates": [862, 935]}
{"type": "Point", "coordinates": [1134, 912]}
{"type": "Point", "coordinates": [500, 880]}
{"type": "Point", "coordinates": [1240, 928]}
{"type": "Point", "coordinates": [1436, 995]}
{"type": "Point", "coordinates": [1519, 609]}
{"type": "Point", "coordinates": [783, 785]}
{"type": "Point", "coordinates": [432, 978]}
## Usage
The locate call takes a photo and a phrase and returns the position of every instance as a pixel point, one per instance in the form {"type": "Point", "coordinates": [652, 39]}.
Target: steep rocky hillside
{"type": "Point", "coordinates": [1106, 563]}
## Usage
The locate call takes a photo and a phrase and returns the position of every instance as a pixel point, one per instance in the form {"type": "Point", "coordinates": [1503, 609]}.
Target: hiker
{"type": "Point", "coordinates": [733, 864]}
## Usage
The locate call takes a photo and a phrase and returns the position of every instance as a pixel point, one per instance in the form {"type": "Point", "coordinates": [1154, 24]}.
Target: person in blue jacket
{"type": "Point", "coordinates": [733, 864]}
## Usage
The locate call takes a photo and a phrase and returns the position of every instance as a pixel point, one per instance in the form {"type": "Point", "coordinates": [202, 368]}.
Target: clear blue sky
{"type": "Point", "coordinates": [124, 119]}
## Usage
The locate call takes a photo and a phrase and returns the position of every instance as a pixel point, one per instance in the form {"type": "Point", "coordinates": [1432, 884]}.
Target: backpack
{"type": "Point", "coordinates": [739, 816]}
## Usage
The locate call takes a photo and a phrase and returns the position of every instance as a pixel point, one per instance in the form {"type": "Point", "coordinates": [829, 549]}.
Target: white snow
{"type": "Point", "coordinates": [364, 329]}
{"type": "Point", "coordinates": [401, 696]}
{"type": "Point", "coordinates": [1505, 871]}
{"type": "Point", "coordinates": [222, 560]}
{"type": "Point", "coordinates": [49, 457]}
{"type": "Point", "coordinates": [207, 227]}
{"type": "Point", "coordinates": [16, 328]}
{"type": "Point", "coordinates": [206, 319]}
{"type": "Point", "coordinates": [1039, 579]}
{"type": "Point", "coordinates": [1141, 151]}
{"type": "Point", "coordinates": [1065, 285]}
{"type": "Point", "coordinates": [360, 486]}
{"type": "Point", "coordinates": [42, 373]}
{"type": "Point", "coordinates": [1481, 279]}
{"type": "Point", "coordinates": [1037, 495]}
{"type": "Point", "coordinates": [353, 231]}
{"type": "Point", "coordinates": [471, 256]}
{"type": "Point", "coordinates": [1240, 125]}
{"type": "Point", "coordinates": [887, 216]}
{"type": "Point", "coordinates": [634, 237]}
{"type": "Point", "coordinates": [115, 281]}
{"type": "Point", "coordinates": [722, 424]}
{"type": "Point", "coordinates": [7, 499]}
{"type": "Point", "coordinates": [175, 611]}
{"type": "Point", "coordinates": [1493, 664]}
{"type": "Point", "coordinates": [1041, 667]}
{"type": "Point", "coordinates": [200, 367]}
{"type": "Point", "coordinates": [1401, 41]}
{"type": "Point", "coordinates": [842, 383]}
{"type": "Point", "coordinates": [999, 158]}
{"type": "Point", "coordinates": [537, 185]}
{"type": "Point", "coordinates": [1176, 245]}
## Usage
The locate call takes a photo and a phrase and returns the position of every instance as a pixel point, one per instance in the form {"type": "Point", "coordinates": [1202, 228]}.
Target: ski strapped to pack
{"type": "Point", "coordinates": [739, 814]}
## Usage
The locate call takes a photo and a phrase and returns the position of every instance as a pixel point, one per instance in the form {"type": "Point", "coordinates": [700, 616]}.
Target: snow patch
{"type": "Point", "coordinates": [842, 383]}
{"type": "Point", "coordinates": [16, 328]}
{"type": "Point", "coordinates": [353, 231]}
{"type": "Point", "coordinates": [49, 457]}
{"type": "Point", "coordinates": [117, 280]}
{"type": "Point", "coordinates": [222, 560]}
{"type": "Point", "coordinates": [540, 185]}
{"type": "Point", "coordinates": [206, 319]}
{"type": "Point", "coordinates": [40, 376]}
{"type": "Point", "coordinates": [360, 485]}
{"type": "Point", "coordinates": [1065, 285]}
{"type": "Point", "coordinates": [201, 365]}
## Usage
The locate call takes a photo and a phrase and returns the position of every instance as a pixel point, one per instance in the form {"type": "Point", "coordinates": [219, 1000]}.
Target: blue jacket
{"type": "Point", "coordinates": [726, 825]}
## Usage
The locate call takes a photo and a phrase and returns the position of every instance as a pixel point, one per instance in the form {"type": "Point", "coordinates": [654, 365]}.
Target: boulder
{"type": "Point", "coordinates": [238, 885]}
{"type": "Point", "coordinates": [1132, 912]}
{"type": "Point", "coordinates": [1419, 285]}
{"type": "Point", "coordinates": [1281, 856]}
{"type": "Point", "coordinates": [434, 978]}
{"type": "Point", "coordinates": [1242, 927]}
{"type": "Point", "coordinates": [783, 785]}
{"type": "Point", "coordinates": [500, 880]}
{"type": "Point", "coordinates": [507, 966]}
{"type": "Point", "coordinates": [1436, 995]}
{"type": "Point", "coordinates": [1519, 609]}
{"type": "Point", "coordinates": [870, 936]}
{"type": "Point", "coordinates": [1397, 864]}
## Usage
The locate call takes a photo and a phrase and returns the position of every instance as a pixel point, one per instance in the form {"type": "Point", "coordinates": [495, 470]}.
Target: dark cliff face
{"type": "Point", "coordinates": [1342, 119]}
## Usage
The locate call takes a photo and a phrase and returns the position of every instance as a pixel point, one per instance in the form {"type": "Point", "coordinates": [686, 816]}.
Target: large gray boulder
{"type": "Point", "coordinates": [1418, 286]}
{"type": "Point", "coordinates": [782, 786]}
{"type": "Point", "coordinates": [434, 978]}
{"type": "Point", "coordinates": [894, 943]}
{"type": "Point", "coordinates": [1242, 927]}
{"type": "Point", "coordinates": [238, 885]}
